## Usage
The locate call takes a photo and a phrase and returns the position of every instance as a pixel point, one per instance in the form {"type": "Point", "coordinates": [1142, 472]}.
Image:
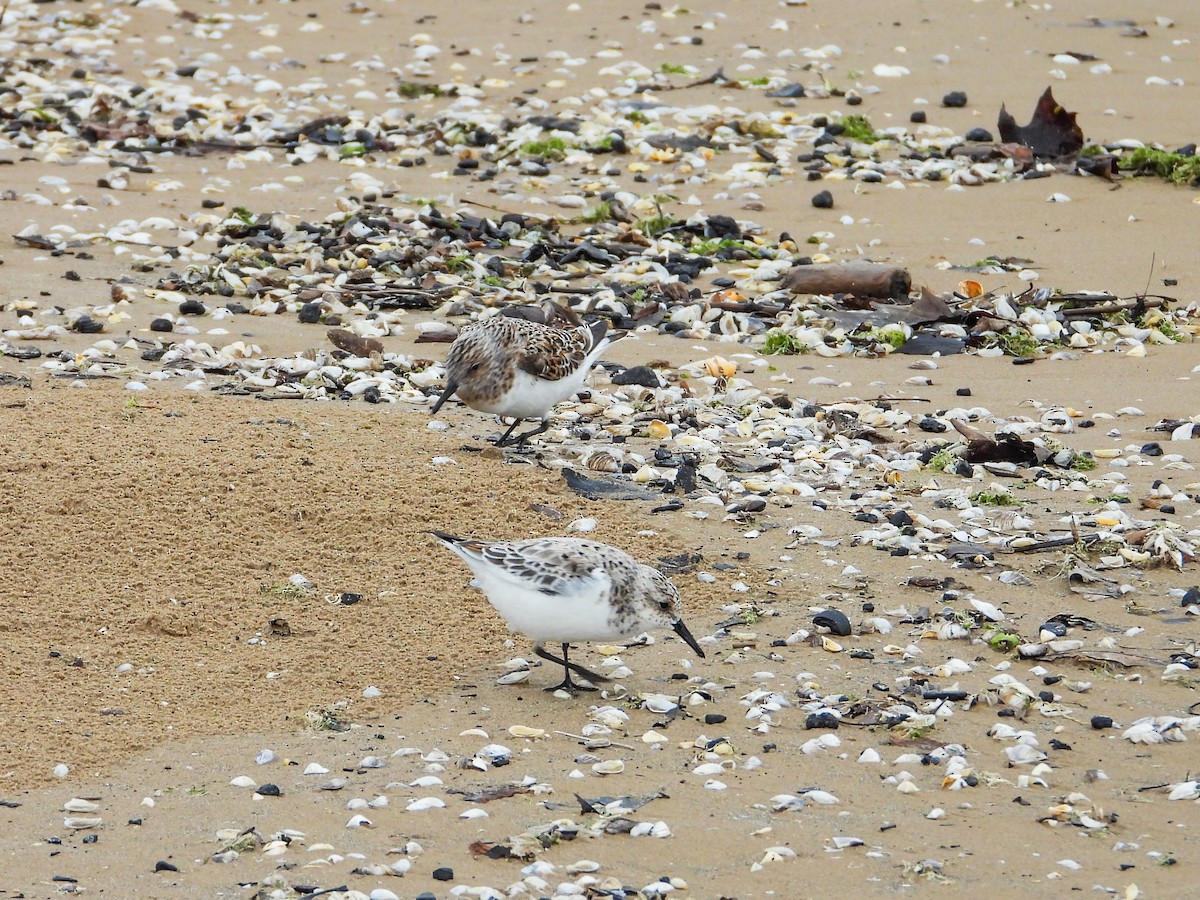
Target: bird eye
{"type": "Point", "coordinates": [476, 367]}
{"type": "Point", "coordinates": [664, 605]}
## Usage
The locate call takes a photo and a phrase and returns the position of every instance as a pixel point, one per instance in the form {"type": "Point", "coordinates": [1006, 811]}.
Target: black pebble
{"type": "Point", "coordinates": [713, 719]}
{"type": "Point", "coordinates": [425, 895]}
{"type": "Point", "coordinates": [929, 423]}
{"type": "Point", "coordinates": [269, 790]}
{"type": "Point", "coordinates": [963, 392]}
{"type": "Point", "coordinates": [918, 117]}
{"type": "Point", "coordinates": [445, 873]}
{"type": "Point", "coordinates": [163, 866]}
{"type": "Point", "coordinates": [1101, 722]}
{"type": "Point", "coordinates": [955, 99]}
{"type": "Point", "coordinates": [372, 395]}
{"type": "Point", "coordinates": [823, 200]}
{"type": "Point", "coordinates": [1152, 449]}
{"type": "Point", "coordinates": [161, 324]}
{"type": "Point", "coordinates": [1051, 679]}
{"type": "Point", "coordinates": [91, 839]}
{"type": "Point", "coordinates": [1087, 423]}
{"type": "Point", "coordinates": [643, 376]}
{"type": "Point", "coordinates": [1190, 596]}
{"type": "Point", "coordinates": [982, 135]}
{"type": "Point", "coordinates": [900, 518]}
{"type": "Point", "coordinates": [236, 308]}
{"type": "Point", "coordinates": [1046, 696]}
{"type": "Point", "coordinates": [821, 720]}
{"type": "Point", "coordinates": [833, 619]}
{"type": "Point", "coordinates": [191, 308]}
{"type": "Point", "coordinates": [310, 313]}
{"type": "Point", "coordinates": [854, 100]}
{"type": "Point", "coordinates": [212, 204]}
{"type": "Point", "coordinates": [88, 325]}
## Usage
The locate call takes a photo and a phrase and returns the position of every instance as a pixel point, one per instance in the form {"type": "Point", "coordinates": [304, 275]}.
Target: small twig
{"type": "Point", "coordinates": [582, 739]}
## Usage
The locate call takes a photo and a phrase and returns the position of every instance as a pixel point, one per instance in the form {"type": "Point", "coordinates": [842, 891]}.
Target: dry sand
{"type": "Point", "coordinates": [162, 533]}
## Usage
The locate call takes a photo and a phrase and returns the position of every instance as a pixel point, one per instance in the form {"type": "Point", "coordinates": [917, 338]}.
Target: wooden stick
{"type": "Point", "coordinates": [864, 279]}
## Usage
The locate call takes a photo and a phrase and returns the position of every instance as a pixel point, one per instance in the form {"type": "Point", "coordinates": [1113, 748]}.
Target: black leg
{"type": "Point", "coordinates": [503, 440]}
{"type": "Point", "coordinates": [568, 667]}
{"type": "Point", "coordinates": [521, 438]}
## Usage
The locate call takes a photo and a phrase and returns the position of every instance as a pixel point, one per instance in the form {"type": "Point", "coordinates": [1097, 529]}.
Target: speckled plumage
{"type": "Point", "coordinates": [520, 369]}
{"type": "Point", "coordinates": [568, 589]}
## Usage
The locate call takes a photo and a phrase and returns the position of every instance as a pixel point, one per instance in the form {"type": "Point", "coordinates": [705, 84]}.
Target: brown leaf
{"type": "Point", "coordinates": [1052, 131]}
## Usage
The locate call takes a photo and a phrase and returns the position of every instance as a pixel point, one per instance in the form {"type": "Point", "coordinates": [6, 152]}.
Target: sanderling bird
{"type": "Point", "coordinates": [567, 589]}
{"type": "Point", "coordinates": [520, 369]}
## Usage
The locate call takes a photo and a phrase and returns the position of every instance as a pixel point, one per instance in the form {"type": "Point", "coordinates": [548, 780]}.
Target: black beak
{"type": "Point", "coordinates": [451, 387]}
{"type": "Point", "coordinates": [682, 631]}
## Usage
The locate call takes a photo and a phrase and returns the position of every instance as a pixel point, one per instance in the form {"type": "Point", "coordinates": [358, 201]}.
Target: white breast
{"type": "Point", "coordinates": [584, 614]}
{"type": "Point", "coordinates": [533, 398]}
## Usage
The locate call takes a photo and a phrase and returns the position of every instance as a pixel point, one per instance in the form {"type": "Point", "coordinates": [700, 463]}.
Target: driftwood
{"type": "Point", "coordinates": [861, 278]}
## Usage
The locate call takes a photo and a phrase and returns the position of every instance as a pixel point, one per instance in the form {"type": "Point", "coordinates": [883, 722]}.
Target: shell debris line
{"type": "Point", "coordinates": [901, 406]}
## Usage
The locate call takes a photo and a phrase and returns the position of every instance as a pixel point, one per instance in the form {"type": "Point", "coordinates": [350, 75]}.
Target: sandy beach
{"type": "Point", "coordinates": [237, 665]}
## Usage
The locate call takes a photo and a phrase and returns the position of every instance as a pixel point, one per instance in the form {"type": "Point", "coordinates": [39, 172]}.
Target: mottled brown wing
{"type": "Point", "coordinates": [552, 353]}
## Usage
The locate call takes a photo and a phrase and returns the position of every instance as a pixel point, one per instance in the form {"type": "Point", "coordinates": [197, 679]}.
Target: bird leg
{"type": "Point", "coordinates": [568, 667]}
{"type": "Point", "coordinates": [506, 441]}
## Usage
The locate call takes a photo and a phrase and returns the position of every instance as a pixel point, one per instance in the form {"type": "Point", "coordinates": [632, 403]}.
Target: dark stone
{"type": "Point", "coordinates": [955, 99]}
{"type": "Point", "coordinates": [191, 308]}
{"type": "Point", "coordinates": [822, 720]}
{"type": "Point", "coordinates": [900, 518]}
{"type": "Point", "coordinates": [87, 325]}
{"type": "Point", "coordinates": [833, 619]}
{"type": "Point", "coordinates": [187, 71]}
{"type": "Point", "coordinates": [963, 392]}
{"type": "Point", "coordinates": [1046, 696]}
{"type": "Point", "coordinates": [854, 100]}
{"type": "Point", "coordinates": [161, 324]}
{"type": "Point", "coordinates": [1152, 449]}
{"type": "Point", "coordinates": [1190, 597]}
{"type": "Point", "coordinates": [823, 200]}
{"type": "Point", "coordinates": [979, 135]}
{"type": "Point", "coordinates": [445, 873]}
{"type": "Point", "coordinates": [929, 423]}
{"type": "Point", "coordinates": [918, 117]}
{"type": "Point", "coordinates": [1101, 722]}
{"type": "Point", "coordinates": [713, 719]}
{"type": "Point", "coordinates": [211, 203]}
{"type": "Point", "coordinates": [163, 866]}
{"type": "Point", "coordinates": [269, 790]}
{"type": "Point", "coordinates": [794, 89]}
{"type": "Point", "coordinates": [643, 376]}
{"type": "Point", "coordinates": [310, 313]}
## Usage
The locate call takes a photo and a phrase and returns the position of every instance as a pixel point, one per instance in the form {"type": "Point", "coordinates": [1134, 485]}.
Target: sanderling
{"type": "Point", "coordinates": [567, 589]}
{"type": "Point", "coordinates": [520, 369]}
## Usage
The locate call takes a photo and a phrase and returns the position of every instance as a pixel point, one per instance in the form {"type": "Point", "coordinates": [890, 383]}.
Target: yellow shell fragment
{"type": "Point", "coordinates": [720, 367]}
{"type": "Point", "coordinates": [659, 430]}
{"type": "Point", "coordinates": [524, 731]}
